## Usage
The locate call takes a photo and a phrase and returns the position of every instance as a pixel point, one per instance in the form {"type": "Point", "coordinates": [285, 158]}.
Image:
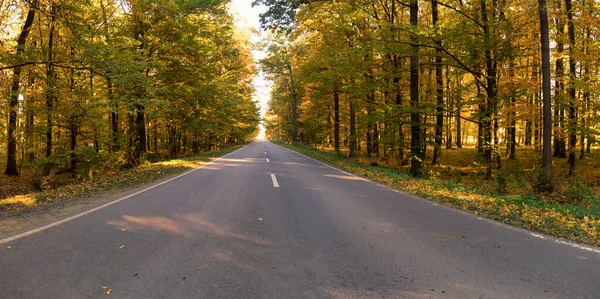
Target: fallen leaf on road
{"type": "Point", "coordinates": [260, 219]}
{"type": "Point", "coordinates": [104, 287]}
{"type": "Point", "coordinates": [192, 193]}
{"type": "Point", "coordinates": [8, 247]}
{"type": "Point", "coordinates": [109, 291]}
{"type": "Point", "coordinates": [123, 229]}
{"type": "Point", "coordinates": [122, 246]}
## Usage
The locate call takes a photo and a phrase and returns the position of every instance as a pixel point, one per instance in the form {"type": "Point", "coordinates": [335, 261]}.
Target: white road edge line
{"type": "Point", "coordinates": [275, 183]}
{"type": "Point", "coordinates": [533, 234]}
{"type": "Point", "coordinates": [45, 227]}
{"type": "Point", "coordinates": [563, 242]}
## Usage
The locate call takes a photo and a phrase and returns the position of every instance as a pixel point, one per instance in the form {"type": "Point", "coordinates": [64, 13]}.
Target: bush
{"type": "Point", "coordinates": [577, 193]}
{"type": "Point", "coordinates": [542, 183]}
{"type": "Point", "coordinates": [501, 184]}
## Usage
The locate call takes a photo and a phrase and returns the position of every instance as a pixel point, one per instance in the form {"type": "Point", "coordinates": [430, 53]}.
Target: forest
{"type": "Point", "coordinates": [484, 89]}
{"type": "Point", "coordinates": [102, 85]}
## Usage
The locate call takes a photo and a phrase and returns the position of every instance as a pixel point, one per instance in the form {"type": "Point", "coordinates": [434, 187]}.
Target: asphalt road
{"type": "Point", "coordinates": [227, 231]}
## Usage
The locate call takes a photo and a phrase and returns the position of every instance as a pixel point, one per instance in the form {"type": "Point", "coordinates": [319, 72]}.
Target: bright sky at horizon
{"type": "Point", "coordinates": [248, 17]}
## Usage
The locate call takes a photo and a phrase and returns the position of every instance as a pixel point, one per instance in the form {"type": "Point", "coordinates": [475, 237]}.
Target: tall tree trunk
{"type": "Point", "coordinates": [73, 131]}
{"type": "Point", "coordinates": [336, 120]}
{"type": "Point", "coordinates": [375, 140]}
{"type": "Point", "coordinates": [449, 114]}
{"type": "Point", "coordinates": [369, 140]}
{"type": "Point", "coordinates": [439, 109]}
{"type": "Point", "coordinates": [140, 134]}
{"type": "Point", "coordinates": [459, 140]}
{"type": "Point", "coordinates": [545, 183]}
{"type": "Point", "coordinates": [490, 90]}
{"type": "Point", "coordinates": [401, 142]}
{"type": "Point", "coordinates": [294, 105]}
{"type": "Point", "coordinates": [512, 115]}
{"type": "Point", "coordinates": [11, 156]}
{"type": "Point", "coordinates": [72, 121]}
{"type": "Point", "coordinates": [559, 130]}
{"type": "Point", "coordinates": [586, 97]}
{"type": "Point", "coordinates": [51, 92]}
{"type": "Point", "coordinates": [572, 92]}
{"type": "Point", "coordinates": [114, 117]}
{"type": "Point", "coordinates": [416, 164]}
{"type": "Point", "coordinates": [352, 153]}
{"type": "Point", "coordinates": [29, 121]}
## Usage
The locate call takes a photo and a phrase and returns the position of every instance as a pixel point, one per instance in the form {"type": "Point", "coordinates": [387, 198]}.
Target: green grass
{"type": "Point", "coordinates": [576, 223]}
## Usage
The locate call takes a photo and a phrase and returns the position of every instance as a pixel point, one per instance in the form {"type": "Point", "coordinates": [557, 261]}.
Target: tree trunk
{"type": "Point", "coordinates": [336, 120]}
{"type": "Point", "coordinates": [139, 141]}
{"type": "Point", "coordinates": [294, 106]}
{"type": "Point", "coordinates": [490, 89]}
{"type": "Point", "coordinates": [352, 153]}
{"type": "Point", "coordinates": [559, 141]}
{"type": "Point", "coordinates": [29, 123]}
{"type": "Point", "coordinates": [50, 92]}
{"type": "Point", "coordinates": [459, 143]}
{"type": "Point", "coordinates": [572, 92]}
{"type": "Point", "coordinates": [439, 109]}
{"type": "Point", "coordinates": [512, 115]}
{"type": "Point", "coordinates": [545, 183]}
{"type": "Point", "coordinates": [11, 157]}
{"type": "Point", "coordinates": [416, 164]}
{"type": "Point", "coordinates": [369, 141]}
{"type": "Point", "coordinates": [375, 140]}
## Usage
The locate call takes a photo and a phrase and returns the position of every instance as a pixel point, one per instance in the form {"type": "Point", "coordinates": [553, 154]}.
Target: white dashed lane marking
{"type": "Point", "coordinates": [275, 183]}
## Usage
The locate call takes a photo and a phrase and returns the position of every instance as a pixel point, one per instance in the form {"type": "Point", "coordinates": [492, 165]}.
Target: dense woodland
{"type": "Point", "coordinates": [410, 80]}
{"type": "Point", "coordinates": [115, 83]}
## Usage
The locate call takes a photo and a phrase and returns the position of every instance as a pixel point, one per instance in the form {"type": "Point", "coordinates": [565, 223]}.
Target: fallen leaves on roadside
{"type": "Point", "coordinates": [260, 219]}
{"type": "Point", "coordinates": [123, 229]}
{"type": "Point", "coordinates": [104, 287]}
{"type": "Point", "coordinates": [122, 246]}
{"type": "Point", "coordinates": [8, 247]}
{"type": "Point", "coordinates": [109, 291]}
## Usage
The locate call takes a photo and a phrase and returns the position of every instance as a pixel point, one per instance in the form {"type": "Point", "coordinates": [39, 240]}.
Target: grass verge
{"type": "Point", "coordinates": [575, 223]}
{"type": "Point", "coordinates": [110, 181]}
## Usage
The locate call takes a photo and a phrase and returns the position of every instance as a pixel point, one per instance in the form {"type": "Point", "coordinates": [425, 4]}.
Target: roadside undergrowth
{"type": "Point", "coordinates": [142, 174]}
{"type": "Point", "coordinates": [576, 223]}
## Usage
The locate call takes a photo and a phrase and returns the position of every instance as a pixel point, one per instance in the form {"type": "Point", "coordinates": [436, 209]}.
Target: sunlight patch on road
{"type": "Point", "coordinates": [154, 223]}
{"type": "Point", "coordinates": [343, 177]}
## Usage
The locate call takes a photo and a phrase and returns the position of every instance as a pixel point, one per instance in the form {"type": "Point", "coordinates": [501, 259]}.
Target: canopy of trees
{"type": "Point", "coordinates": [395, 78]}
{"type": "Point", "coordinates": [118, 82]}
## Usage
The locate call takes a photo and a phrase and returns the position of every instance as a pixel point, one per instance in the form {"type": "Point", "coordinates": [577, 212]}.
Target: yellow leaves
{"type": "Point", "coordinates": [123, 229]}
{"type": "Point", "coordinates": [122, 246]}
{"type": "Point", "coordinates": [8, 247]}
{"type": "Point", "coordinates": [260, 219]}
{"type": "Point", "coordinates": [108, 291]}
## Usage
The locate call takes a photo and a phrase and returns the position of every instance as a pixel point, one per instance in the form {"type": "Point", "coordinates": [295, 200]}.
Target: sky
{"type": "Point", "coordinates": [248, 17]}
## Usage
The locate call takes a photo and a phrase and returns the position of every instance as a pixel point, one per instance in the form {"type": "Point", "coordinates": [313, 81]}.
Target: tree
{"type": "Point", "coordinates": [545, 183]}
{"type": "Point", "coordinates": [164, 75]}
{"type": "Point", "coordinates": [11, 157]}
{"type": "Point", "coordinates": [416, 164]}
{"type": "Point", "coordinates": [439, 111]}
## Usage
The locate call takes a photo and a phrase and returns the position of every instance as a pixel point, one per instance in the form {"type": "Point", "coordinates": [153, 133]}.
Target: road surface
{"type": "Point", "coordinates": [266, 222]}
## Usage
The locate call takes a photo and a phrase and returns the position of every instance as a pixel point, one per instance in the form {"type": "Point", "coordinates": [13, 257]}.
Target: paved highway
{"type": "Point", "coordinates": [266, 222]}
